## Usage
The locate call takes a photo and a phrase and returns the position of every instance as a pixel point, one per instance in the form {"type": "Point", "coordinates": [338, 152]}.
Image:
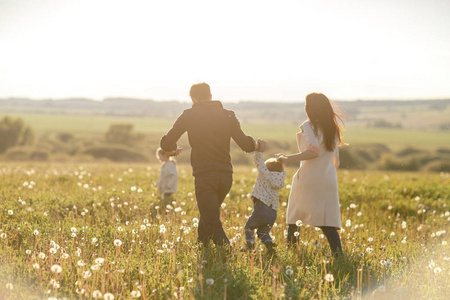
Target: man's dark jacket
{"type": "Point", "coordinates": [210, 128]}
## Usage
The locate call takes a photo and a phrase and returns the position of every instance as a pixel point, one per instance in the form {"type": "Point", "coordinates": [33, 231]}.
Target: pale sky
{"type": "Point", "coordinates": [245, 49]}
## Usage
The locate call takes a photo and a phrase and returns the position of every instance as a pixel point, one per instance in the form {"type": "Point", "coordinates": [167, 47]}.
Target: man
{"type": "Point", "coordinates": [210, 128]}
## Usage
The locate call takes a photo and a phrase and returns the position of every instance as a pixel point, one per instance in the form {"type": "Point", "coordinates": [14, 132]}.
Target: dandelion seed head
{"type": "Point", "coordinates": [135, 294]}
{"type": "Point", "coordinates": [329, 277]}
{"type": "Point", "coordinates": [10, 212]}
{"type": "Point", "coordinates": [56, 269]}
{"type": "Point", "coordinates": [117, 243]}
{"type": "Point", "coordinates": [289, 272]}
{"type": "Point", "coordinates": [209, 281]}
{"type": "Point", "coordinates": [108, 296]}
{"type": "Point", "coordinates": [97, 294]}
{"type": "Point", "coordinates": [99, 260]}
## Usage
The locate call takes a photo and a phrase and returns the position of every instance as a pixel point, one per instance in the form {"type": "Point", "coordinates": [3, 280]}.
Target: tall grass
{"type": "Point", "coordinates": [81, 231]}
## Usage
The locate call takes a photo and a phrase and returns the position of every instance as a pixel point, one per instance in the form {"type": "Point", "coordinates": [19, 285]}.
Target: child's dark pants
{"type": "Point", "coordinates": [262, 219]}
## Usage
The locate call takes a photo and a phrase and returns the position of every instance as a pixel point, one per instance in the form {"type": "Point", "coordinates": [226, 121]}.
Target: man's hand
{"type": "Point", "coordinates": [175, 152]}
{"type": "Point", "coordinates": [262, 145]}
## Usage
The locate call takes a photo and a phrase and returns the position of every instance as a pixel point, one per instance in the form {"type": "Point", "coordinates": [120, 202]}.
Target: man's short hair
{"type": "Point", "coordinates": [274, 165]}
{"type": "Point", "coordinates": [200, 91]}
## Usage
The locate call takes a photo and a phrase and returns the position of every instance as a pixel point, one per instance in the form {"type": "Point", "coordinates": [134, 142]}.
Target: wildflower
{"type": "Point", "coordinates": [41, 255]}
{"type": "Point", "coordinates": [80, 291]}
{"type": "Point", "coordinates": [388, 264]}
{"type": "Point", "coordinates": [52, 251]}
{"type": "Point", "coordinates": [74, 235]}
{"type": "Point", "coordinates": [404, 225]}
{"type": "Point", "coordinates": [108, 296]}
{"type": "Point", "coordinates": [81, 263]}
{"type": "Point", "coordinates": [299, 223]}
{"type": "Point", "coordinates": [9, 286]}
{"type": "Point", "coordinates": [56, 269]}
{"type": "Point", "coordinates": [348, 223]}
{"type": "Point", "coordinates": [352, 206]}
{"type": "Point", "coordinates": [437, 270]}
{"type": "Point", "coordinates": [209, 281]}
{"type": "Point", "coordinates": [36, 266]}
{"type": "Point", "coordinates": [117, 243]}
{"type": "Point", "coordinates": [133, 188]}
{"type": "Point", "coordinates": [136, 294]}
{"type": "Point", "coordinates": [369, 249]}
{"type": "Point", "coordinates": [10, 212]}
{"type": "Point", "coordinates": [370, 239]}
{"type": "Point", "coordinates": [289, 272]}
{"type": "Point", "coordinates": [99, 260]}
{"type": "Point", "coordinates": [94, 241]}
{"type": "Point", "coordinates": [36, 232]}
{"type": "Point", "coordinates": [3, 235]}
{"type": "Point", "coordinates": [329, 277]}
{"type": "Point", "coordinates": [73, 229]}
{"type": "Point", "coordinates": [97, 294]}
{"type": "Point", "coordinates": [28, 252]}
{"type": "Point", "coordinates": [119, 229]}
{"type": "Point", "coordinates": [88, 274]}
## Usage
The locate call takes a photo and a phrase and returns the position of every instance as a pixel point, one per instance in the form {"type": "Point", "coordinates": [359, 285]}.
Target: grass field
{"type": "Point", "coordinates": [98, 125]}
{"type": "Point", "coordinates": [80, 231]}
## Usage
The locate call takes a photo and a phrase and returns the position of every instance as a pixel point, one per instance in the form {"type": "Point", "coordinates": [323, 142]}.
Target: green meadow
{"type": "Point", "coordinates": [100, 231]}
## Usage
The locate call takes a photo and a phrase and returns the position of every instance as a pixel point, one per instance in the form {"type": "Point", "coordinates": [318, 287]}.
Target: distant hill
{"type": "Point", "coordinates": [385, 112]}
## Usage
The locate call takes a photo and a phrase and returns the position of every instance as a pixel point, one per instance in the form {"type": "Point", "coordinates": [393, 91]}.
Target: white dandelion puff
{"type": "Point", "coordinates": [56, 269]}
{"type": "Point", "coordinates": [108, 296]}
{"type": "Point", "coordinates": [97, 294]}
{"type": "Point", "coordinates": [329, 277]}
{"type": "Point", "coordinates": [135, 294]}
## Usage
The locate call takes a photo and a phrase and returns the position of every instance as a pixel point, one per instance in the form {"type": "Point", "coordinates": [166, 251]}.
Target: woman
{"type": "Point", "coordinates": [314, 197]}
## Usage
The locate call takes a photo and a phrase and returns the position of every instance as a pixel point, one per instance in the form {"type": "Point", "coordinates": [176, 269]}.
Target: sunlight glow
{"type": "Point", "coordinates": [245, 49]}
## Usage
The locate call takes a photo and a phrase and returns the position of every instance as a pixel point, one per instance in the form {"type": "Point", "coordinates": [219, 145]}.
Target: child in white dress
{"type": "Point", "coordinates": [168, 178]}
{"type": "Point", "coordinates": [270, 180]}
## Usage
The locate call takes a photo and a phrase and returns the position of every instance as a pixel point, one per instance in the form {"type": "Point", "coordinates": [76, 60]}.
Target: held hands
{"type": "Point", "coordinates": [261, 145]}
{"type": "Point", "coordinates": [281, 157]}
{"type": "Point", "coordinates": [175, 152]}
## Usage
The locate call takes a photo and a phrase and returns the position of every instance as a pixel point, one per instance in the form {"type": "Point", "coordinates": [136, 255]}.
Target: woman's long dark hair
{"type": "Point", "coordinates": [323, 116]}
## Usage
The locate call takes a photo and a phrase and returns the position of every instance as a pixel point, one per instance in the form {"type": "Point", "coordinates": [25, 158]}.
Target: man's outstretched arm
{"type": "Point", "coordinates": [169, 141]}
{"type": "Point", "coordinates": [245, 142]}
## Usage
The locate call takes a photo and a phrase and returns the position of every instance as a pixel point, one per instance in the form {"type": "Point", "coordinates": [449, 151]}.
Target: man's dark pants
{"type": "Point", "coordinates": [211, 188]}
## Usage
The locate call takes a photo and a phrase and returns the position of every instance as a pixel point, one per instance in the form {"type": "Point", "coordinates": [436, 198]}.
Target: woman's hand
{"type": "Point", "coordinates": [281, 157]}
